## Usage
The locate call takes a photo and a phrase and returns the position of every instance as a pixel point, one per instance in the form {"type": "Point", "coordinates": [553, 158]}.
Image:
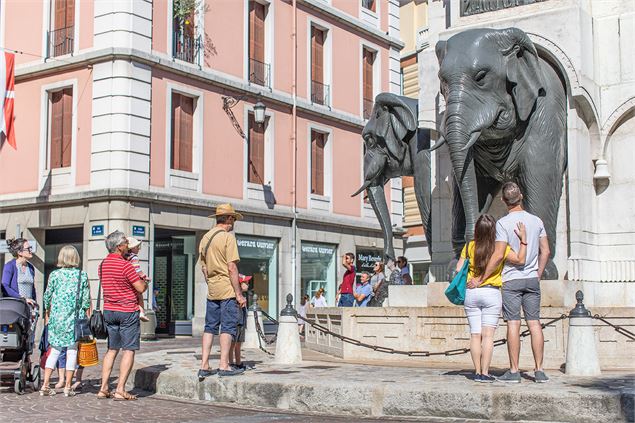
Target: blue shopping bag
{"type": "Point", "coordinates": [456, 291]}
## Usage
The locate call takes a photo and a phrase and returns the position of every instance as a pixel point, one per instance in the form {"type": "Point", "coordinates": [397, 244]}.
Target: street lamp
{"type": "Point", "coordinates": [259, 112]}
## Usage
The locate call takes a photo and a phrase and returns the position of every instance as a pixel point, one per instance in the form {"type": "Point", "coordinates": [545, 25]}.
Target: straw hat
{"type": "Point", "coordinates": [133, 242]}
{"type": "Point", "coordinates": [226, 210]}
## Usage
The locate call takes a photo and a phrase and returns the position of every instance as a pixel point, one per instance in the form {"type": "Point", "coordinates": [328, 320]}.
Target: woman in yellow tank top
{"type": "Point", "coordinates": [483, 303]}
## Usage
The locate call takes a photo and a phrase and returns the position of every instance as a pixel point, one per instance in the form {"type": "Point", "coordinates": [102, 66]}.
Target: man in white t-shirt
{"type": "Point", "coordinates": [521, 284]}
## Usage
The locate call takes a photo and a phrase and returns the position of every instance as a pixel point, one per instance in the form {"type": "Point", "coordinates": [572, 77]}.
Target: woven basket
{"type": "Point", "coordinates": [87, 355]}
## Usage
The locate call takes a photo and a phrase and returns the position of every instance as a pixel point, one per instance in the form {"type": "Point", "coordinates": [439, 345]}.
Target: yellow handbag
{"type": "Point", "coordinates": [87, 354]}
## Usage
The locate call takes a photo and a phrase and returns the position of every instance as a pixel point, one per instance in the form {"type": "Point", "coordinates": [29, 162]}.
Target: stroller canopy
{"type": "Point", "coordinates": [14, 311]}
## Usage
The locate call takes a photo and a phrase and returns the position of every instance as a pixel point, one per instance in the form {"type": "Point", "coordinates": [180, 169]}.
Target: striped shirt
{"type": "Point", "coordinates": [117, 277]}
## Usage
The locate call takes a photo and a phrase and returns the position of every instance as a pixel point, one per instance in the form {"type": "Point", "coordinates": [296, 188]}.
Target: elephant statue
{"type": "Point", "coordinates": [395, 147]}
{"type": "Point", "coordinates": [505, 119]}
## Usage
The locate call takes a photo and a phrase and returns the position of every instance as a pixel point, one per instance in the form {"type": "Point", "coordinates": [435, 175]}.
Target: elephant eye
{"type": "Point", "coordinates": [480, 75]}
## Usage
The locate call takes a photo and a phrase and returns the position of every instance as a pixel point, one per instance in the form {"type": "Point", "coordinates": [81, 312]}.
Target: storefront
{"type": "Point", "coordinates": [259, 258]}
{"type": "Point", "coordinates": [318, 270]}
{"type": "Point", "coordinates": [365, 261]}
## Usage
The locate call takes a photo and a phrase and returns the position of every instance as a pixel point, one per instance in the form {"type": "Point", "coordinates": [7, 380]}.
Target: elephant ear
{"type": "Point", "coordinates": [523, 70]}
{"type": "Point", "coordinates": [402, 123]}
{"type": "Point", "coordinates": [440, 50]}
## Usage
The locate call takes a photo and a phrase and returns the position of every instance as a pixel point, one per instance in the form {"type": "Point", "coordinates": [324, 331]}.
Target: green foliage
{"type": "Point", "coordinates": [184, 10]}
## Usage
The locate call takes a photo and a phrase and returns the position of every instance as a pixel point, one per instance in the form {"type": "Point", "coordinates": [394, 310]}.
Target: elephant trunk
{"type": "Point", "coordinates": [377, 199]}
{"type": "Point", "coordinates": [459, 138]}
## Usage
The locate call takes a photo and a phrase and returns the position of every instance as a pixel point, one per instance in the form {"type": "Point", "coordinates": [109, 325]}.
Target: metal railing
{"type": "Point", "coordinates": [60, 41]}
{"type": "Point", "coordinates": [260, 73]}
{"type": "Point", "coordinates": [319, 93]}
{"type": "Point", "coordinates": [368, 108]}
{"type": "Point", "coordinates": [186, 47]}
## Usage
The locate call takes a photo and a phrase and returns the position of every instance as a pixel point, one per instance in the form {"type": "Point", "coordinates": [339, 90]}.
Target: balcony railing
{"type": "Point", "coordinates": [60, 41]}
{"type": "Point", "coordinates": [368, 108]}
{"type": "Point", "coordinates": [260, 73]}
{"type": "Point", "coordinates": [319, 93]}
{"type": "Point", "coordinates": [187, 47]}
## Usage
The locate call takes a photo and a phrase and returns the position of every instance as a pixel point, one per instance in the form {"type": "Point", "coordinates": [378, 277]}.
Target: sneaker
{"type": "Point", "coordinates": [486, 379]}
{"type": "Point", "coordinates": [540, 377]}
{"type": "Point", "coordinates": [477, 377]}
{"type": "Point", "coordinates": [241, 366]}
{"type": "Point", "coordinates": [230, 372]}
{"type": "Point", "coordinates": [510, 377]}
{"type": "Point", "coordinates": [202, 374]}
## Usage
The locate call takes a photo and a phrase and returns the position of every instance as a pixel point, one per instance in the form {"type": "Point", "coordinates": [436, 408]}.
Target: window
{"type": "Point", "coordinates": [258, 69]}
{"type": "Point", "coordinates": [61, 128]}
{"type": "Point", "coordinates": [182, 132]}
{"type": "Point", "coordinates": [369, 4]}
{"type": "Point", "coordinates": [186, 44]}
{"type": "Point", "coordinates": [319, 91]}
{"type": "Point", "coordinates": [368, 60]}
{"type": "Point", "coordinates": [61, 37]}
{"type": "Point", "coordinates": [318, 142]}
{"type": "Point", "coordinates": [256, 151]}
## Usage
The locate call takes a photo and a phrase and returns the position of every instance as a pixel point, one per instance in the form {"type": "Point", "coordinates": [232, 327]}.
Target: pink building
{"type": "Point", "coordinates": [139, 116]}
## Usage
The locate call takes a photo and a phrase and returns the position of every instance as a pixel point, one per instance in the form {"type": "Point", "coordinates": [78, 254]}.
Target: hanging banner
{"type": "Point", "coordinates": [7, 97]}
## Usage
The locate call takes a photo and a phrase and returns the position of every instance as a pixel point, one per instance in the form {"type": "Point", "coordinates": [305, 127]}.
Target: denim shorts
{"type": "Point", "coordinates": [222, 316]}
{"type": "Point", "coordinates": [346, 300]}
{"type": "Point", "coordinates": [124, 330]}
{"type": "Point", "coordinates": [242, 324]}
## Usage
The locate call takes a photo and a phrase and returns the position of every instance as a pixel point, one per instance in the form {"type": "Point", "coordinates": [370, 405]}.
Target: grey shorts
{"type": "Point", "coordinates": [521, 292]}
{"type": "Point", "coordinates": [124, 330]}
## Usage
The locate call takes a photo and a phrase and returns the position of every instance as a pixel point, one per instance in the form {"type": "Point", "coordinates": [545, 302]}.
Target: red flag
{"type": "Point", "coordinates": [7, 96]}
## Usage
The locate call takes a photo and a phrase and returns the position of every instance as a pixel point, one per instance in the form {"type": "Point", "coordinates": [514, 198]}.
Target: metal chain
{"type": "Point", "coordinates": [269, 317]}
{"type": "Point", "coordinates": [261, 336]}
{"type": "Point", "coordinates": [388, 350]}
{"type": "Point", "coordinates": [619, 329]}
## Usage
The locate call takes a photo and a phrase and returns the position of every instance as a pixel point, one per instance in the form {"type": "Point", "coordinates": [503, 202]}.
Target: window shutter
{"type": "Point", "coordinates": [176, 130]}
{"type": "Point", "coordinates": [70, 14]}
{"type": "Point", "coordinates": [67, 127]}
{"type": "Point", "coordinates": [257, 14]}
{"type": "Point", "coordinates": [256, 152]}
{"type": "Point", "coordinates": [57, 112]}
{"type": "Point", "coordinates": [368, 59]}
{"type": "Point", "coordinates": [317, 55]}
{"type": "Point", "coordinates": [60, 14]}
{"type": "Point", "coordinates": [317, 163]}
{"type": "Point", "coordinates": [187, 133]}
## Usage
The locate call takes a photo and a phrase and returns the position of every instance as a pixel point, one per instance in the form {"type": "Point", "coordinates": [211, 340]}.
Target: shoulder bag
{"type": "Point", "coordinates": [456, 290]}
{"type": "Point", "coordinates": [97, 323]}
{"type": "Point", "coordinates": [82, 327]}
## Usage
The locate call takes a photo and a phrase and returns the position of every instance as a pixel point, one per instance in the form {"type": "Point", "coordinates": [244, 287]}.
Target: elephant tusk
{"type": "Point", "coordinates": [366, 184]}
{"type": "Point", "coordinates": [472, 140]}
{"type": "Point", "coordinates": [438, 144]}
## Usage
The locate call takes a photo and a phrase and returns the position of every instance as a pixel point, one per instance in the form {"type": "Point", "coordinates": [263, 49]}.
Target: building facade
{"type": "Point", "coordinates": [139, 116]}
{"type": "Point", "coordinates": [589, 45]}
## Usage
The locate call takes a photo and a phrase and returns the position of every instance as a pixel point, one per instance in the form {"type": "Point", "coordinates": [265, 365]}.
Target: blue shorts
{"type": "Point", "coordinates": [346, 300]}
{"type": "Point", "coordinates": [223, 316]}
{"type": "Point", "coordinates": [124, 330]}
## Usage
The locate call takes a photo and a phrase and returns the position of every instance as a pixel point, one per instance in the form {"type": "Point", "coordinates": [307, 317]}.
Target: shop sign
{"type": "Point", "coordinates": [313, 249]}
{"type": "Point", "coordinates": [139, 231]}
{"type": "Point", "coordinates": [366, 259]}
{"type": "Point", "coordinates": [474, 7]}
{"type": "Point", "coordinates": [256, 247]}
{"type": "Point", "coordinates": [97, 230]}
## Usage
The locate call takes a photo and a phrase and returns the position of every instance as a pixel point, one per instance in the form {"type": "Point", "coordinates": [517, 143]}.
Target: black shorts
{"type": "Point", "coordinates": [124, 330]}
{"type": "Point", "coordinates": [222, 316]}
{"type": "Point", "coordinates": [242, 325]}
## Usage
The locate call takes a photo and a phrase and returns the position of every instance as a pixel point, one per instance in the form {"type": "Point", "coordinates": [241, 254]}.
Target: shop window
{"type": "Point", "coordinates": [182, 136]}
{"type": "Point", "coordinates": [318, 270]}
{"type": "Point", "coordinates": [259, 259]}
{"type": "Point", "coordinates": [365, 261]}
{"type": "Point", "coordinates": [60, 128]}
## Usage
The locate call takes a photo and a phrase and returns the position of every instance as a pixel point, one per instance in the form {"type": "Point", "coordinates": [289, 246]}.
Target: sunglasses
{"type": "Point", "coordinates": [29, 249]}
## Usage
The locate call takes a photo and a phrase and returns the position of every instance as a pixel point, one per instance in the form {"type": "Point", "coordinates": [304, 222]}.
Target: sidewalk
{"type": "Point", "coordinates": [332, 387]}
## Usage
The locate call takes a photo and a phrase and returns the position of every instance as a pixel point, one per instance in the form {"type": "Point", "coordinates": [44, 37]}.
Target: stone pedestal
{"type": "Point", "coordinates": [251, 334]}
{"type": "Point", "coordinates": [288, 349]}
{"type": "Point", "coordinates": [582, 356]}
{"type": "Point", "coordinates": [148, 332]}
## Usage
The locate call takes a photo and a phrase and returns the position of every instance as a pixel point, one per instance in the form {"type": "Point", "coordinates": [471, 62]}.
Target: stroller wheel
{"type": "Point", "coordinates": [36, 381]}
{"type": "Point", "coordinates": [18, 387]}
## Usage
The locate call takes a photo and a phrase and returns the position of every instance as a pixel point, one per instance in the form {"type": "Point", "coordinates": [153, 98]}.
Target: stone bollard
{"type": "Point", "coordinates": [582, 356]}
{"type": "Point", "coordinates": [288, 349]}
{"type": "Point", "coordinates": [148, 329]}
{"type": "Point", "coordinates": [251, 334]}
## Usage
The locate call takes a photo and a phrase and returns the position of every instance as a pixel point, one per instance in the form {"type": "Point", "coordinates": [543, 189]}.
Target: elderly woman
{"type": "Point", "coordinates": [18, 276]}
{"type": "Point", "coordinates": [66, 298]}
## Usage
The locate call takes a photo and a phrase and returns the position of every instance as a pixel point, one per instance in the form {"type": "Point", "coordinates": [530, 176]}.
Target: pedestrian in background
{"type": "Point", "coordinates": [404, 271]}
{"type": "Point", "coordinates": [121, 285]}
{"type": "Point", "coordinates": [302, 309]}
{"type": "Point", "coordinates": [66, 298]}
{"type": "Point", "coordinates": [379, 285]}
{"type": "Point", "coordinates": [134, 246]}
{"type": "Point", "coordinates": [18, 276]}
{"type": "Point", "coordinates": [346, 288]}
{"type": "Point", "coordinates": [235, 359]}
{"type": "Point", "coordinates": [218, 257]}
{"type": "Point", "coordinates": [318, 299]}
{"type": "Point", "coordinates": [483, 302]}
{"type": "Point", "coordinates": [364, 291]}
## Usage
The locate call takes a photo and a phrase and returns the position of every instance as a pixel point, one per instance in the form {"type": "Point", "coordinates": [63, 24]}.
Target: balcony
{"type": "Point", "coordinates": [60, 41]}
{"type": "Point", "coordinates": [259, 73]}
{"type": "Point", "coordinates": [319, 93]}
{"type": "Point", "coordinates": [368, 108]}
{"type": "Point", "coordinates": [423, 38]}
{"type": "Point", "coordinates": [187, 47]}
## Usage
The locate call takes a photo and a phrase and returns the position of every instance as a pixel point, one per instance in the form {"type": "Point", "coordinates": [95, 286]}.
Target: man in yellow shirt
{"type": "Point", "coordinates": [218, 257]}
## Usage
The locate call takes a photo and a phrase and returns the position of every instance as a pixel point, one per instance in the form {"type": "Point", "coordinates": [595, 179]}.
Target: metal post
{"type": "Point", "coordinates": [582, 356]}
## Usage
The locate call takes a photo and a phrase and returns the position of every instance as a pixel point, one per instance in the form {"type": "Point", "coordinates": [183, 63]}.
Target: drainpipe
{"type": "Point", "coordinates": [294, 130]}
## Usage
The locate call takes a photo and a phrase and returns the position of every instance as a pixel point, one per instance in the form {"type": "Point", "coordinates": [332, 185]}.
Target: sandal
{"type": "Point", "coordinates": [69, 392]}
{"type": "Point", "coordinates": [103, 395]}
{"type": "Point", "coordinates": [124, 396]}
{"type": "Point", "coordinates": [47, 391]}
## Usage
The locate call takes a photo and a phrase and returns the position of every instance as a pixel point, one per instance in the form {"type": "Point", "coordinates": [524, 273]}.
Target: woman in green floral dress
{"type": "Point", "coordinates": [61, 308]}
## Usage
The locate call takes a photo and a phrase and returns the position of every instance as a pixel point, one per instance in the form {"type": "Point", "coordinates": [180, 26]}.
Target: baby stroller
{"type": "Point", "coordinates": [18, 321]}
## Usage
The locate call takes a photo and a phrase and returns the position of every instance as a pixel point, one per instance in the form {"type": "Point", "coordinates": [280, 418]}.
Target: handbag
{"type": "Point", "coordinates": [44, 347]}
{"type": "Point", "coordinates": [455, 293]}
{"type": "Point", "coordinates": [87, 354]}
{"type": "Point", "coordinates": [82, 327]}
{"type": "Point", "coordinates": [97, 322]}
